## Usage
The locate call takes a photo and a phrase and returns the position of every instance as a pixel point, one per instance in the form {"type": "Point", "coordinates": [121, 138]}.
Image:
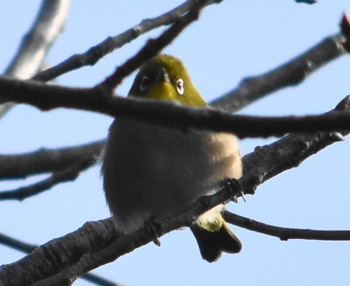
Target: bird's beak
{"type": "Point", "coordinates": [162, 75]}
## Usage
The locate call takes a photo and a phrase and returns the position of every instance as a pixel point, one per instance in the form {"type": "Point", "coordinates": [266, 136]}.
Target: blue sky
{"type": "Point", "coordinates": [230, 41]}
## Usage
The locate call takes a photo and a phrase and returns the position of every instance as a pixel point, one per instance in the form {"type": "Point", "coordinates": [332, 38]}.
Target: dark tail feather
{"type": "Point", "coordinates": [213, 243]}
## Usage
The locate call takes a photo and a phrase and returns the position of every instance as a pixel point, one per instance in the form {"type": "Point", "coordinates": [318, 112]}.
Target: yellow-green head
{"type": "Point", "coordinates": [165, 77]}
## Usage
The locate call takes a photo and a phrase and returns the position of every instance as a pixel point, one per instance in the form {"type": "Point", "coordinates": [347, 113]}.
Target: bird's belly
{"type": "Point", "coordinates": [160, 172]}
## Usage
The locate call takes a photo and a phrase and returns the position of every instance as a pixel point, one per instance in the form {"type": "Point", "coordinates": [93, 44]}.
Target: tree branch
{"type": "Point", "coordinates": [26, 248]}
{"type": "Point", "coordinates": [306, 1]}
{"type": "Point", "coordinates": [68, 174]}
{"type": "Point", "coordinates": [37, 42]}
{"type": "Point", "coordinates": [153, 47]}
{"type": "Point", "coordinates": [96, 243]}
{"type": "Point", "coordinates": [289, 152]}
{"type": "Point", "coordinates": [296, 69]}
{"type": "Point", "coordinates": [105, 245]}
{"type": "Point", "coordinates": [94, 54]}
{"type": "Point", "coordinates": [284, 233]}
{"type": "Point", "coordinates": [291, 73]}
{"type": "Point", "coordinates": [46, 160]}
{"type": "Point", "coordinates": [166, 113]}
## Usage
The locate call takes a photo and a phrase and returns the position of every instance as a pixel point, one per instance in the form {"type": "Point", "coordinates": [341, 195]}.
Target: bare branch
{"type": "Point", "coordinates": [153, 47]}
{"type": "Point", "coordinates": [306, 1]}
{"type": "Point", "coordinates": [285, 233]}
{"type": "Point", "coordinates": [95, 244]}
{"type": "Point", "coordinates": [26, 248]}
{"type": "Point", "coordinates": [318, 55]}
{"type": "Point", "coordinates": [291, 73]}
{"type": "Point", "coordinates": [289, 152]}
{"type": "Point", "coordinates": [68, 174]}
{"type": "Point", "coordinates": [108, 246]}
{"type": "Point", "coordinates": [37, 42]}
{"type": "Point", "coordinates": [167, 113]}
{"type": "Point", "coordinates": [16, 244]}
{"type": "Point", "coordinates": [46, 160]}
{"type": "Point", "coordinates": [94, 54]}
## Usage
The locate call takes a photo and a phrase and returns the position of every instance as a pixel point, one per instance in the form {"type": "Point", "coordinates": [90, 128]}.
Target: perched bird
{"type": "Point", "coordinates": [152, 171]}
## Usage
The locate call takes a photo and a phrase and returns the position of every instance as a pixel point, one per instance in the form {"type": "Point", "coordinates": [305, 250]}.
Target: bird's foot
{"type": "Point", "coordinates": [236, 188]}
{"type": "Point", "coordinates": [152, 224]}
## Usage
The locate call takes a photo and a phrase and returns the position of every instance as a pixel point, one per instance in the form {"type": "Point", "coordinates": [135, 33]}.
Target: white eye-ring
{"type": "Point", "coordinates": [180, 86]}
{"type": "Point", "coordinates": [144, 83]}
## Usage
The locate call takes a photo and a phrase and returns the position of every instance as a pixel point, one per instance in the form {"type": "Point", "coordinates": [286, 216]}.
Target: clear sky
{"type": "Point", "coordinates": [230, 41]}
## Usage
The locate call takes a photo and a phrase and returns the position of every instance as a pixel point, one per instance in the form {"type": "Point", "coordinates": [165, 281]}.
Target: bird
{"type": "Point", "coordinates": [152, 172]}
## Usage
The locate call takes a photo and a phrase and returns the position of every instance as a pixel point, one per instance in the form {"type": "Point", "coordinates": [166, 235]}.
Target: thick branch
{"type": "Point", "coordinates": [26, 248]}
{"type": "Point", "coordinates": [285, 233]}
{"type": "Point", "coordinates": [289, 74]}
{"type": "Point", "coordinates": [91, 256]}
{"type": "Point", "coordinates": [166, 113]}
{"type": "Point", "coordinates": [37, 42]}
{"type": "Point", "coordinates": [96, 243]}
{"type": "Point", "coordinates": [289, 152]}
{"type": "Point", "coordinates": [47, 256]}
{"type": "Point", "coordinates": [297, 68]}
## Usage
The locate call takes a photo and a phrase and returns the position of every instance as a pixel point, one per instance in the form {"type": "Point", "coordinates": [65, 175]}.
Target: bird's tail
{"type": "Point", "coordinates": [213, 242]}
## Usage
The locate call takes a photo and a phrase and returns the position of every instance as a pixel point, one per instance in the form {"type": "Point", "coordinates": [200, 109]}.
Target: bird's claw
{"type": "Point", "coordinates": [151, 223]}
{"type": "Point", "coordinates": [229, 182]}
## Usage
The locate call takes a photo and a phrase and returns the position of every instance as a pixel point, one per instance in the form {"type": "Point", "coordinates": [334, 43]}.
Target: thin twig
{"type": "Point", "coordinates": [284, 233]}
{"type": "Point", "coordinates": [68, 174]}
{"type": "Point", "coordinates": [94, 54]}
{"type": "Point", "coordinates": [45, 160]}
{"type": "Point", "coordinates": [16, 244]}
{"type": "Point", "coordinates": [153, 47]}
{"type": "Point", "coordinates": [306, 1]}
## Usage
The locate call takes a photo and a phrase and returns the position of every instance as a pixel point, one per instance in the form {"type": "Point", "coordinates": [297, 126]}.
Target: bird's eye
{"type": "Point", "coordinates": [180, 86]}
{"type": "Point", "coordinates": [144, 83]}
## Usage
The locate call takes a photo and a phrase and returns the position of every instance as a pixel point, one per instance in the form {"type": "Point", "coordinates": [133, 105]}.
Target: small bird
{"type": "Point", "coordinates": [152, 172]}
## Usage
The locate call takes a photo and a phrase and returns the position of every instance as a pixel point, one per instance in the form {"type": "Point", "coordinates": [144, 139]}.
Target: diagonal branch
{"type": "Point", "coordinates": [94, 54]}
{"type": "Point", "coordinates": [37, 42]}
{"type": "Point", "coordinates": [58, 253]}
{"type": "Point", "coordinates": [291, 73]}
{"type": "Point", "coordinates": [26, 248]}
{"type": "Point", "coordinates": [153, 46]}
{"type": "Point", "coordinates": [289, 152]}
{"type": "Point", "coordinates": [96, 243]}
